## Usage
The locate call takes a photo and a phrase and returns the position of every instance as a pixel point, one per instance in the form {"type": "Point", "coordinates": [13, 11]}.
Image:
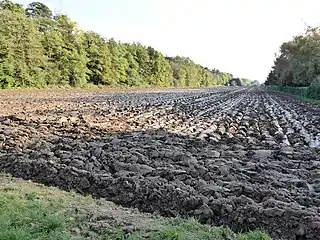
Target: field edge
{"type": "Point", "coordinates": [33, 211]}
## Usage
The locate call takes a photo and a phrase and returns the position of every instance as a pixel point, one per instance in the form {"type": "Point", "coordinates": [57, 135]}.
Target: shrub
{"type": "Point", "coordinates": [313, 91]}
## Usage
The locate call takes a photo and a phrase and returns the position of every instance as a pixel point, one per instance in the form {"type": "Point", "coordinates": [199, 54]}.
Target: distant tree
{"type": "Point", "coordinates": [255, 83]}
{"type": "Point", "coordinates": [234, 82]}
{"type": "Point", "coordinates": [99, 58]}
{"type": "Point", "coordinates": [246, 82]}
{"type": "Point", "coordinates": [38, 10]}
{"type": "Point", "coordinates": [133, 75]}
{"type": "Point", "coordinates": [8, 5]}
{"type": "Point", "coordinates": [38, 49]}
{"type": "Point", "coordinates": [23, 57]}
{"type": "Point", "coordinates": [71, 58]}
{"type": "Point", "coordinates": [119, 63]}
{"type": "Point", "coordinates": [298, 62]}
{"type": "Point", "coordinates": [7, 69]}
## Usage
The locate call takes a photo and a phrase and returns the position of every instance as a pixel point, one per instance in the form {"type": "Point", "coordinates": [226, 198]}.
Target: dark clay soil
{"type": "Point", "coordinates": [237, 157]}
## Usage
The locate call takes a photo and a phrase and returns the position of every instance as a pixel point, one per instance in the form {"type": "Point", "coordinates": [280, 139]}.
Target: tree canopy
{"type": "Point", "coordinates": [40, 49]}
{"type": "Point", "coordinates": [298, 62]}
{"type": "Point", "coordinates": [38, 10]}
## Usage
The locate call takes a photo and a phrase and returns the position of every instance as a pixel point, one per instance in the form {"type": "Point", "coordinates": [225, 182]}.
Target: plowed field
{"type": "Point", "coordinates": [238, 157]}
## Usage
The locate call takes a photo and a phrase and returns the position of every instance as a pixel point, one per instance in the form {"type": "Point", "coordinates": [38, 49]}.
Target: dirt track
{"type": "Point", "coordinates": [230, 156]}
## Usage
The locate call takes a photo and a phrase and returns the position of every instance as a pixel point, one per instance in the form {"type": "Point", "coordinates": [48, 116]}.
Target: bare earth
{"type": "Point", "coordinates": [238, 157]}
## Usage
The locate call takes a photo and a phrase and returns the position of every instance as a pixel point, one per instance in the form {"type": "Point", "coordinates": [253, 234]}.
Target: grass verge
{"type": "Point", "coordinates": [30, 211]}
{"type": "Point", "coordinates": [309, 94]}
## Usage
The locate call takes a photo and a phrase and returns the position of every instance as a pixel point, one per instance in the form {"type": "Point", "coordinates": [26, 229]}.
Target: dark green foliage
{"type": "Point", "coordinates": [235, 82]}
{"type": "Point", "coordinates": [311, 92]}
{"type": "Point", "coordinates": [298, 64]}
{"type": "Point", "coordinates": [39, 50]}
{"type": "Point", "coordinates": [22, 60]}
{"type": "Point", "coordinates": [6, 64]}
{"type": "Point", "coordinates": [38, 10]}
{"type": "Point", "coordinates": [99, 58]}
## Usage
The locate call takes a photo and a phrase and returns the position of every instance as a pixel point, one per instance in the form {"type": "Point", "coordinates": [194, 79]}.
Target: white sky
{"type": "Point", "coordinates": [237, 36]}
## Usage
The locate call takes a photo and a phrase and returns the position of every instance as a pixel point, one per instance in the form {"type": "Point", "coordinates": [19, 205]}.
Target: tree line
{"type": "Point", "coordinates": [298, 62]}
{"type": "Point", "coordinates": [40, 49]}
